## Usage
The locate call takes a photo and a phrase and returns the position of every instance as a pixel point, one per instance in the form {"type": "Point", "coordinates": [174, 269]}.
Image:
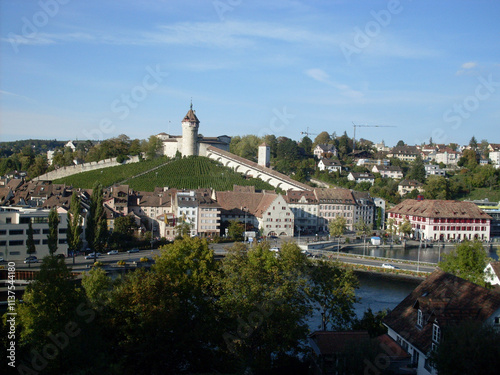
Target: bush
{"type": "Point", "coordinates": [98, 264]}
{"type": "Point", "coordinates": [144, 260]}
{"type": "Point", "coordinates": [121, 263]}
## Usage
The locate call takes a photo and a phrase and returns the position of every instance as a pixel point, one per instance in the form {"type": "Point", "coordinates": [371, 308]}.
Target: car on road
{"type": "Point", "coordinates": [133, 251]}
{"type": "Point", "coordinates": [389, 266]}
{"type": "Point", "coordinates": [93, 255]}
{"type": "Point", "coordinates": [31, 259]}
{"type": "Point", "coordinates": [112, 252]}
{"type": "Point", "coordinates": [1, 259]}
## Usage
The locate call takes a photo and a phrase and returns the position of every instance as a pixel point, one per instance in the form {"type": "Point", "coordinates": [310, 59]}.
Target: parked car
{"type": "Point", "coordinates": [31, 259]}
{"type": "Point", "coordinates": [133, 251]}
{"type": "Point", "coordinates": [275, 249]}
{"type": "Point", "coordinates": [1, 259]}
{"type": "Point", "coordinates": [112, 252]}
{"type": "Point", "coordinates": [93, 255]}
{"type": "Point", "coordinates": [390, 266]}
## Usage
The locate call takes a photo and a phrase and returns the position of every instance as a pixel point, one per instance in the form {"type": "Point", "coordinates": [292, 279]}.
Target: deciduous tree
{"type": "Point", "coordinates": [468, 261]}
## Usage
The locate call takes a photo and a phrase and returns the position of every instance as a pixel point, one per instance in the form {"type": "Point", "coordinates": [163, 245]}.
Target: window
{"type": "Point", "coordinates": [16, 231]}
{"type": "Point", "coordinates": [436, 333]}
{"type": "Point", "coordinates": [415, 357]}
{"type": "Point", "coordinates": [3, 232]}
{"type": "Point", "coordinates": [420, 318]}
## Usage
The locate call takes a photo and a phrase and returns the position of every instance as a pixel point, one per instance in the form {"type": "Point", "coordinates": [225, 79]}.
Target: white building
{"type": "Point", "coordinates": [14, 223]}
{"type": "Point", "coordinates": [191, 143]}
{"type": "Point", "coordinates": [492, 273]}
{"type": "Point", "coordinates": [305, 209]}
{"type": "Point", "coordinates": [361, 177]}
{"type": "Point", "coordinates": [325, 151]}
{"type": "Point", "coordinates": [266, 211]}
{"type": "Point", "coordinates": [447, 156]}
{"type": "Point", "coordinates": [389, 171]}
{"type": "Point", "coordinates": [331, 165]}
{"type": "Point", "coordinates": [433, 170]}
{"type": "Point", "coordinates": [495, 158]}
{"type": "Point", "coordinates": [443, 219]}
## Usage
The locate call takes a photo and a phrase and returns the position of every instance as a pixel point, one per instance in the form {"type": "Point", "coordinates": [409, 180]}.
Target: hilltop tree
{"type": "Point", "coordinates": [400, 143]}
{"type": "Point", "coordinates": [417, 170]}
{"type": "Point", "coordinates": [53, 231]}
{"type": "Point", "coordinates": [322, 138]}
{"type": "Point", "coordinates": [469, 159]}
{"type": "Point", "coordinates": [153, 147]}
{"type": "Point", "coordinates": [30, 243]}
{"type": "Point", "coordinates": [473, 143]}
{"type": "Point", "coordinates": [437, 187]}
{"type": "Point", "coordinates": [306, 145]}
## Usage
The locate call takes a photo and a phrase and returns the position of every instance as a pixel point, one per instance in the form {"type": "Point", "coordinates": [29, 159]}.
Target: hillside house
{"type": "Point", "coordinates": [440, 302]}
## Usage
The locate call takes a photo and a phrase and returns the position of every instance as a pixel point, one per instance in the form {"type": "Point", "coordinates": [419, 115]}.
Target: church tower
{"type": "Point", "coordinates": [190, 125]}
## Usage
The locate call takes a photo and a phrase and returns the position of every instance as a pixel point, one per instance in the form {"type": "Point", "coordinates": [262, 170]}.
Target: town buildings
{"type": "Point", "coordinates": [14, 224]}
{"type": "Point", "coordinates": [388, 171]}
{"type": "Point", "coordinates": [442, 301]}
{"type": "Point", "coordinates": [443, 219]}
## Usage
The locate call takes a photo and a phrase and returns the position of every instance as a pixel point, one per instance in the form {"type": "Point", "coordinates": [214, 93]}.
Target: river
{"type": "Point", "coordinates": [376, 292]}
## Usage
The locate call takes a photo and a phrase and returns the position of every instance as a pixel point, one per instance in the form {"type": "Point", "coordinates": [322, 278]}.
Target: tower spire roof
{"type": "Point", "coordinates": [191, 115]}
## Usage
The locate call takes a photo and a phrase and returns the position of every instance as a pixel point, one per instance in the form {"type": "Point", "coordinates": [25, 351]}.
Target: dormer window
{"type": "Point", "coordinates": [436, 333]}
{"type": "Point", "coordinates": [420, 318]}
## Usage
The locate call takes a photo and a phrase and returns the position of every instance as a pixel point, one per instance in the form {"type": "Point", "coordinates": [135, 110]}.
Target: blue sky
{"type": "Point", "coordinates": [72, 69]}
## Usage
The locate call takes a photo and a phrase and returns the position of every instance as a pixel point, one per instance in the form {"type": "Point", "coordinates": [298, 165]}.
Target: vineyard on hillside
{"type": "Point", "coordinates": [192, 173]}
{"type": "Point", "coordinates": [187, 173]}
{"type": "Point", "coordinates": [111, 175]}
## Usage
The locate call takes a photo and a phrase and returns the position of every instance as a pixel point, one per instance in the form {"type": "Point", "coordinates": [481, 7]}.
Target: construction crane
{"type": "Point", "coordinates": [365, 126]}
{"type": "Point", "coordinates": [307, 133]}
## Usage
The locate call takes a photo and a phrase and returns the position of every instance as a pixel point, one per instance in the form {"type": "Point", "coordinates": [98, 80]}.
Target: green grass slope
{"type": "Point", "coordinates": [111, 175]}
{"type": "Point", "coordinates": [186, 173]}
{"type": "Point", "coordinates": [192, 173]}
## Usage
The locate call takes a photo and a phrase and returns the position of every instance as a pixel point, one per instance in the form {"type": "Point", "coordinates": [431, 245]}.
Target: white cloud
{"type": "Point", "coordinates": [466, 68]}
{"type": "Point", "coordinates": [469, 65]}
{"type": "Point", "coordinates": [323, 77]}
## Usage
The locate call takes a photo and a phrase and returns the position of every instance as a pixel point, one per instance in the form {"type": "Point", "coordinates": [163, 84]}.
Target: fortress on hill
{"type": "Point", "coordinates": [190, 142]}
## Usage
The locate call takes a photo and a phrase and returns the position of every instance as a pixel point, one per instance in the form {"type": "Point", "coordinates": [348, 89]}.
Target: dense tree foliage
{"type": "Point", "coordinates": [468, 261]}
{"type": "Point", "coordinates": [470, 348]}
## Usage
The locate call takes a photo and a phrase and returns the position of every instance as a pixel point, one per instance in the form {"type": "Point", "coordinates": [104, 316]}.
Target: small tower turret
{"type": "Point", "coordinates": [190, 125]}
{"type": "Point", "coordinates": [264, 156]}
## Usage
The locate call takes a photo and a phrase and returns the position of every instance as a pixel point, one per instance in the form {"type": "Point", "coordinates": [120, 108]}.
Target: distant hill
{"type": "Point", "coordinates": [187, 173]}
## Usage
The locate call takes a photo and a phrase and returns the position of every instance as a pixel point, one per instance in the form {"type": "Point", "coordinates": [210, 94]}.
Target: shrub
{"type": "Point", "coordinates": [98, 264]}
{"type": "Point", "coordinates": [144, 260]}
{"type": "Point", "coordinates": [121, 263]}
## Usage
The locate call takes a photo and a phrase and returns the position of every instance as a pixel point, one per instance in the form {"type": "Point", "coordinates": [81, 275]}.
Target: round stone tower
{"type": "Point", "coordinates": [190, 125]}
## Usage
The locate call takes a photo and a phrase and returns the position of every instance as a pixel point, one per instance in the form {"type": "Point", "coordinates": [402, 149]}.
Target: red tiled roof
{"type": "Point", "coordinates": [440, 208]}
{"type": "Point", "coordinates": [328, 342]}
{"type": "Point", "coordinates": [445, 299]}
